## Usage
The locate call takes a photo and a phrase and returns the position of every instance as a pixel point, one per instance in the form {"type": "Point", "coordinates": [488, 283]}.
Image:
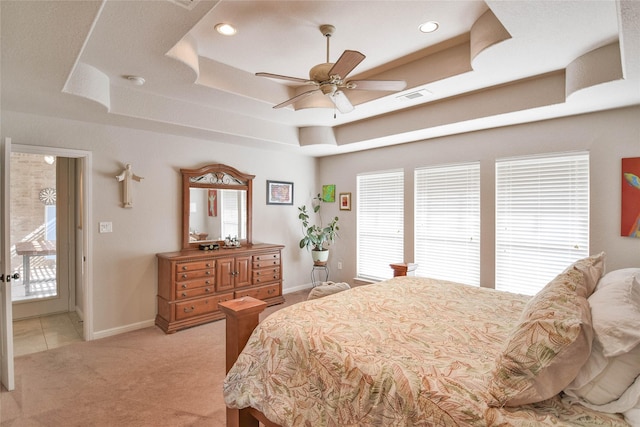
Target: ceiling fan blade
{"type": "Point", "coordinates": [346, 63]}
{"type": "Point", "coordinates": [390, 85]}
{"type": "Point", "coordinates": [341, 102]}
{"type": "Point", "coordinates": [296, 98]}
{"type": "Point", "coordinates": [278, 76]}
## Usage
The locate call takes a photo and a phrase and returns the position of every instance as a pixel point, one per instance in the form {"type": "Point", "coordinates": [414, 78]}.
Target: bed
{"type": "Point", "coordinates": [414, 351]}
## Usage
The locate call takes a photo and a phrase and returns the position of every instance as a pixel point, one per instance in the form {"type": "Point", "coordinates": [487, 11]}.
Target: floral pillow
{"type": "Point", "coordinates": [551, 341]}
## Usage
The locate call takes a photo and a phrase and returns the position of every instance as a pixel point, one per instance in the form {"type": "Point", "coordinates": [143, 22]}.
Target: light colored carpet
{"type": "Point", "coordinates": [140, 378]}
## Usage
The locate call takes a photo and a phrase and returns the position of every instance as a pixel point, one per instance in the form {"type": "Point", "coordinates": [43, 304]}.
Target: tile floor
{"type": "Point", "coordinates": [43, 333]}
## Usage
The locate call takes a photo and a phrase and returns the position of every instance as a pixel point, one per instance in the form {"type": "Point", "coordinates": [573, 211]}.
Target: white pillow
{"type": "Point", "coordinates": [617, 276]}
{"type": "Point", "coordinates": [602, 380]}
{"type": "Point", "coordinates": [632, 416]}
{"type": "Point", "coordinates": [615, 313]}
{"type": "Point", "coordinates": [629, 400]}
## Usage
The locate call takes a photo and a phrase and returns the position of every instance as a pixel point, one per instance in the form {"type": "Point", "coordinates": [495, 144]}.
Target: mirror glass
{"type": "Point", "coordinates": [216, 204]}
{"type": "Point", "coordinates": [215, 214]}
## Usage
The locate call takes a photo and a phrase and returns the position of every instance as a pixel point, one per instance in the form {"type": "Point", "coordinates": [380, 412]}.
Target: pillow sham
{"type": "Point", "coordinates": [552, 340]}
{"type": "Point", "coordinates": [615, 310]}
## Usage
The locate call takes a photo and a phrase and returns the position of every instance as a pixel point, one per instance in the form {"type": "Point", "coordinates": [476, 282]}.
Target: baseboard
{"type": "Point", "coordinates": [122, 329]}
{"type": "Point", "coordinates": [147, 323]}
{"type": "Point", "coordinates": [297, 288]}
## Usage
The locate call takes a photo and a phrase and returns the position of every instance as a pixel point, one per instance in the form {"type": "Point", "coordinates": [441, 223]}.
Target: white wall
{"type": "Point", "coordinates": [609, 136]}
{"type": "Point", "coordinates": [124, 275]}
{"type": "Point", "coordinates": [124, 262]}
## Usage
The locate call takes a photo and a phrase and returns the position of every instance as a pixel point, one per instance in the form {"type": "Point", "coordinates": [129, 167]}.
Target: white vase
{"type": "Point", "coordinates": [320, 257]}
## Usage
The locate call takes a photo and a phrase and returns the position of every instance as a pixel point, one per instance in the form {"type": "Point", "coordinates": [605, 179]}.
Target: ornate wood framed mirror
{"type": "Point", "coordinates": [216, 203]}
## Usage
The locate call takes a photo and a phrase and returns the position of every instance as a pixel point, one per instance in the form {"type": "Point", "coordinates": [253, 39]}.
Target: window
{"type": "Point", "coordinates": [447, 222]}
{"type": "Point", "coordinates": [542, 218]}
{"type": "Point", "coordinates": [380, 223]}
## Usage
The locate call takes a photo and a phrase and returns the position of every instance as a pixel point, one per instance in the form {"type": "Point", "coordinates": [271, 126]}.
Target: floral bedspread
{"type": "Point", "coordinates": [405, 352]}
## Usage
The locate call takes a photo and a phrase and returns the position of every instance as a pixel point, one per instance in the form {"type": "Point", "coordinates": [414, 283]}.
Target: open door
{"type": "Point", "coordinates": [6, 309]}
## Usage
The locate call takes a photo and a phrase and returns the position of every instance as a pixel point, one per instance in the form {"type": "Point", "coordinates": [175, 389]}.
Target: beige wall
{"type": "Point", "coordinates": [609, 136]}
{"type": "Point", "coordinates": [124, 264]}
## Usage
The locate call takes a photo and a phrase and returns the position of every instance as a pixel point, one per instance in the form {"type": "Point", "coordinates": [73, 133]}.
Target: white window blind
{"type": "Point", "coordinates": [380, 223]}
{"type": "Point", "coordinates": [542, 218]}
{"type": "Point", "coordinates": [232, 210]}
{"type": "Point", "coordinates": [447, 222]}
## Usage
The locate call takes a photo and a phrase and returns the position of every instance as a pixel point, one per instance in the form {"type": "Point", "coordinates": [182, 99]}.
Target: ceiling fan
{"type": "Point", "coordinates": [330, 78]}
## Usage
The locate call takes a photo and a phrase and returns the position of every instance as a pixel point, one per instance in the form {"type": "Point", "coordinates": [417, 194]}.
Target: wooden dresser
{"type": "Point", "coordinates": [191, 283]}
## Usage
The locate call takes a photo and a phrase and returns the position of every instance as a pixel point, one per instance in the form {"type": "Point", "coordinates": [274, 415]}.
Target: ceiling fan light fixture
{"type": "Point", "coordinates": [226, 29]}
{"type": "Point", "coordinates": [429, 27]}
{"type": "Point", "coordinates": [328, 89]}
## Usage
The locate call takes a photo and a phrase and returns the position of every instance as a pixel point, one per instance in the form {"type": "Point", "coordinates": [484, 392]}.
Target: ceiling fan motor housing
{"type": "Point", "coordinates": [320, 73]}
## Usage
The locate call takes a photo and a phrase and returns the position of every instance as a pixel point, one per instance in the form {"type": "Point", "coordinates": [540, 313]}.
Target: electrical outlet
{"type": "Point", "coordinates": [106, 227]}
{"type": "Point", "coordinates": [339, 265]}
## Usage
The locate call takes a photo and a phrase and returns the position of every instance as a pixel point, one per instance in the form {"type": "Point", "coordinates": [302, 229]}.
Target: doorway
{"type": "Point", "coordinates": [48, 247]}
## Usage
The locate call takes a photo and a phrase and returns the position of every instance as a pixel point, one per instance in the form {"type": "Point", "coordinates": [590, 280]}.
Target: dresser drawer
{"type": "Point", "coordinates": [266, 275]}
{"type": "Point", "coordinates": [195, 292]}
{"type": "Point", "coordinates": [194, 265]}
{"type": "Point", "coordinates": [262, 292]}
{"type": "Point", "coordinates": [192, 284]}
{"type": "Point", "coordinates": [194, 274]}
{"type": "Point", "coordinates": [262, 261]}
{"type": "Point", "coordinates": [267, 257]}
{"type": "Point", "coordinates": [187, 309]}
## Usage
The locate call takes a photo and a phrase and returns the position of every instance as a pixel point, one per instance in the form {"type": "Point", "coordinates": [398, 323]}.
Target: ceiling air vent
{"type": "Point", "coordinates": [414, 95]}
{"type": "Point", "coordinates": [187, 4]}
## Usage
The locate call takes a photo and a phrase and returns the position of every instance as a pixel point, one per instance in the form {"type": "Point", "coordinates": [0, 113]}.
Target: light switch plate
{"type": "Point", "coordinates": [106, 227]}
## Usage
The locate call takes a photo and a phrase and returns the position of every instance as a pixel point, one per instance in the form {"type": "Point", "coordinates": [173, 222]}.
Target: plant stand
{"type": "Point", "coordinates": [317, 272]}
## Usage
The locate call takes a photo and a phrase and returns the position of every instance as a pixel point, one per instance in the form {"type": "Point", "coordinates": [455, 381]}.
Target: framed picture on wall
{"type": "Point", "coordinates": [345, 201]}
{"type": "Point", "coordinates": [279, 193]}
{"type": "Point", "coordinates": [329, 193]}
{"type": "Point", "coordinates": [630, 217]}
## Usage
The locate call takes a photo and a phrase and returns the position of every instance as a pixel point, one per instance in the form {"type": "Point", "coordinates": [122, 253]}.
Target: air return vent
{"type": "Point", "coordinates": [187, 4]}
{"type": "Point", "coordinates": [414, 95]}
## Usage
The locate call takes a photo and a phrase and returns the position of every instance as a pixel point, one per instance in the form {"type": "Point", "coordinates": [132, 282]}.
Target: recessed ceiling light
{"type": "Point", "coordinates": [429, 27]}
{"type": "Point", "coordinates": [225, 29]}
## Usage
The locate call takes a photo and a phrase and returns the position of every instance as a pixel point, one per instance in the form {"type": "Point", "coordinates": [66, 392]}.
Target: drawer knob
{"type": "Point", "coordinates": [184, 276]}
{"type": "Point", "coordinates": [184, 286]}
{"type": "Point", "coordinates": [184, 294]}
{"type": "Point", "coordinates": [184, 267]}
{"type": "Point", "coordinates": [208, 265]}
{"type": "Point", "coordinates": [207, 289]}
{"type": "Point", "coordinates": [208, 273]}
{"type": "Point", "coordinates": [189, 310]}
{"type": "Point", "coordinates": [270, 291]}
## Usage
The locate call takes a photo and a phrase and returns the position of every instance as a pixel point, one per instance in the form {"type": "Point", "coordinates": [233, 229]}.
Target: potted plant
{"type": "Point", "coordinates": [317, 237]}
